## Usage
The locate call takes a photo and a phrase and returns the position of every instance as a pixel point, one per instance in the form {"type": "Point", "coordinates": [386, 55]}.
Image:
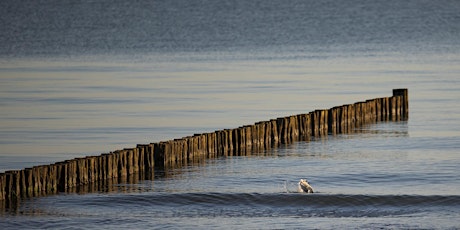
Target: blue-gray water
{"type": "Point", "coordinates": [88, 77]}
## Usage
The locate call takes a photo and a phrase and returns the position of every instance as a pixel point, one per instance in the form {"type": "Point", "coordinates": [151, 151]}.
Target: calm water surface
{"type": "Point", "coordinates": [85, 78]}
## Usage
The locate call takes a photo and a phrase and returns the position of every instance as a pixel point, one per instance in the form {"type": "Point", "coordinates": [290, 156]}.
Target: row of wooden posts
{"type": "Point", "coordinates": [66, 175]}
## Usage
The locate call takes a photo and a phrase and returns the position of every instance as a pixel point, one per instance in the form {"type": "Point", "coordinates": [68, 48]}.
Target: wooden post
{"type": "Point", "coordinates": [28, 179]}
{"type": "Point", "coordinates": [210, 142]}
{"type": "Point", "coordinates": [256, 136]}
{"type": "Point", "coordinates": [230, 146]}
{"type": "Point", "coordinates": [293, 128]}
{"type": "Point", "coordinates": [357, 114]}
{"type": "Point", "coordinates": [385, 109]}
{"type": "Point", "coordinates": [224, 143]}
{"type": "Point", "coordinates": [235, 142]}
{"type": "Point", "coordinates": [315, 123]}
{"type": "Point", "coordinates": [248, 141]}
{"type": "Point", "coordinates": [352, 117]}
{"type": "Point", "coordinates": [242, 141]}
{"type": "Point", "coordinates": [135, 161]}
{"type": "Point", "coordinates": [378, 109]}
{"type": "Point", "coordinates": [36, 176]}
{"type": "Point", "coordinates": [45, 178]}
{"type": "Point", "coordinates": [267, 135]}
{"type": "Point", "coordinates": [2, 186]}
{"type": "Point", "coordinates": [52, 179]}
{"type": "Point", "coordinates": [12, 182]}
{"type": "Point", "coordinates": [274, 133]}
{"type": "Point", "coordinates": [114, 159]}
{"type": "Point", "coordinates": [324, 122]}
{"type": "Point", "coordinates": [101, 167]}
{"type": "Point", "coordinates": [122, 162]}
{"type": "Point", "coordinates": [110, 160]}
{"type": "Point", "coordinates": [159, 154]}
{"type": "Point", "coordinates": [332, 121]}
{"type": "Point", "coordinates": [61, 176]}
{"type": "Point", "coordinates": [393, 104]}
{"type": "Point", "coordinates": [149, 156]}
{"type": "Point", "coordinates": [398, 107]}
{"type": "Point", "coordinates": [281, 127]}
{"type": "Point", "coordinates": [304, 123]}
{"type": "Point", "coordinates": [371, 114]}
{"type": "Point", "coordinates": [405, 101]}
{"type": "Point", "coordinates": [90, 165]}
{"type": "Point", "coordinates": [140, 159]}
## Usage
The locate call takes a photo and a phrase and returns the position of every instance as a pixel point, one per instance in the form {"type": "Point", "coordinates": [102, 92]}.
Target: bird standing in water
{"type": "Point", "coordinates": [304, 186]}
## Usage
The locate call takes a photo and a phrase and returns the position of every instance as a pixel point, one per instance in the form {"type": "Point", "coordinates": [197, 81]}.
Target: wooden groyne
{"type": "Point", "coordinates": [69, 174]}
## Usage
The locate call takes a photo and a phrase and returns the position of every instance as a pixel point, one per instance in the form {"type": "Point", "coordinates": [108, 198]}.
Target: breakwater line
{"type": "Point", "coordinates": [142, 159]}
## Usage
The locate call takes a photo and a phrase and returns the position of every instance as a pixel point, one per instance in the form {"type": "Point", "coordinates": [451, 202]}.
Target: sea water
{"type": "Point", "coordinates": [90, 77]}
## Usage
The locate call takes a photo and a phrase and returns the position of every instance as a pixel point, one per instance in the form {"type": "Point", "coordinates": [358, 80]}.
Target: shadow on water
{"type": "Point", "coordinates": [135, 183]}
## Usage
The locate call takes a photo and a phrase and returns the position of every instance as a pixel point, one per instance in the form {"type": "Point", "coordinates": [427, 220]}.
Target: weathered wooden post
{"type": "Point", "coordinates": [319, 122]}
{"type": "Point", "coordinates": [37, 181]}
{"type": "Point", "coordinates": [304, 124]}
{"type": "Point", "coordinates": [122, 162]}
{"type": "Point", "coordinates": [45, 172]}
{"type": "Point", "coordinates": [393, 104]}
{"type": "Point", "coordinates": [332, 120]}
{"type": "Point", "coordinates": [225, 142]}
{"type": "Point", "coordinates": [135, 161]}
{"type": "Point", "coordinates": [255, 138]}
{"type": "Point", "coordinates": [52, 179]}
{"type": "Point", "coordinates": [211, 144]}
{"type": "Point", "coordinates": [102, 167]}
{"type": "Point", "coordinates": [358, 114]}
{"type": "Point", "coordinates": [370, 113]}
{"type": "Point", "coordinates": [2, 186]}
{"type": "Point", "coordinates": [405, 101]}
{"type": "Point", "coordinates": [267, 135]}
{"type": "Point", "coordinates": [22, 183]}
{"type": "Point", "coordinates": [61, 176]}
{"type": "Point", "coordinates": [315, 123]}
{"type": "Point", "coordinates": [114, 159]}
{"type": "Point", "coordinates": [28, 179]}
{"type": "Point", "coordinates": [90, 163]}
{"type": "Point", "coordinates": [352, 117]}
{"type": "Point", "coordinates": [235, 142]}
{"type": "Point", "coordinates": [324, 122]}
{"type": "Point", "coordinates": [281, 127]}
{"type": "Point", "coordinates": [292, 129]}
{"type": "Point", "coordinates": [12, 184]}
{"type": "Point", "coordinates": [148, 155]}
{"type": "Point", "coordinates": [230, 145]}
{"type": "Point", "coordinates": [248, 141]}
{"type": "Point", "coordinates": [274, 133]}
{"type": "Point", "coordinates": [171, 159]}
{"type": "Point", "coordinates": [159, 154]}
{"type": "Point", "coordinates": [193, 146]}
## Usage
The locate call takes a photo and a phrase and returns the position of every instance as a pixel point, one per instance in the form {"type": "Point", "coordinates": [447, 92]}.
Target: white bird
{"type": "Point", "coordinates": [304, 186]}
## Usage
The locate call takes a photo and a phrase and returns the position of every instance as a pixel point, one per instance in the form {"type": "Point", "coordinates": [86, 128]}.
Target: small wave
{"type": "Point", "coordinates": [280, 204]}
{"type": "Point", "coordinates": [299, 200]}
{"type": "Point", "coordinates": [292, 199]}
{"type": "Point", "coordinates": [244, 205]}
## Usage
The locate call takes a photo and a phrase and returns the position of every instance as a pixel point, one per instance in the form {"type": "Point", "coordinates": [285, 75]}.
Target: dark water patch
{"type": "Point", "coordinates": [300, 200]}
{"type": "Point", "coordinates": [87, 27]}
{"type": "Point", "coordinates": [191, 205]}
